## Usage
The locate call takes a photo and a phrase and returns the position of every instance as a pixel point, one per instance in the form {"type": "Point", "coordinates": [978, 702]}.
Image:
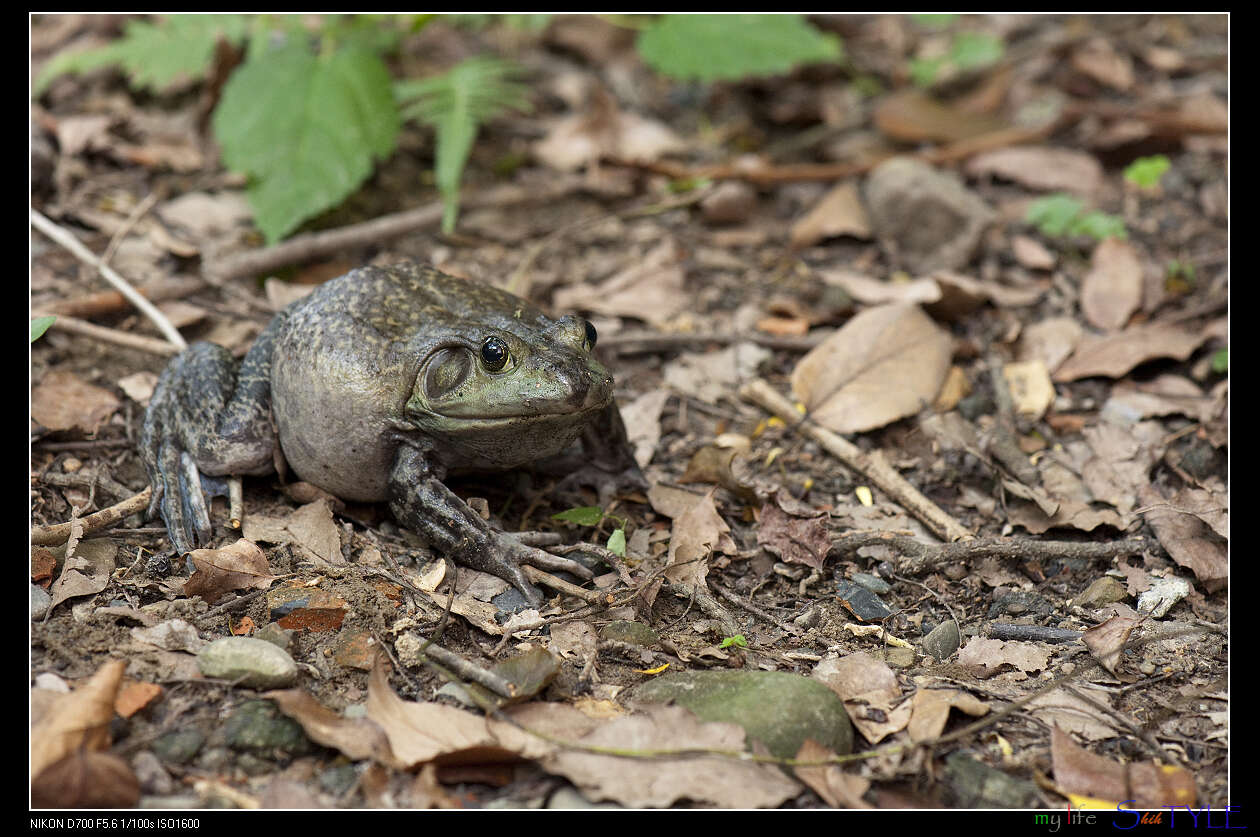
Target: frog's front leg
{"type": "Point", "coordinates": [206, 417]}
{"type": "Point", "coordinates": [422, 503]}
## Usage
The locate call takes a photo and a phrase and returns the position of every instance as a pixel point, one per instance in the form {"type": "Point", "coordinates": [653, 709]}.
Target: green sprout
{"type": "Point", "coordinates": [593, 516]}
{"type": "Point", "coordinates": [1145, 172]}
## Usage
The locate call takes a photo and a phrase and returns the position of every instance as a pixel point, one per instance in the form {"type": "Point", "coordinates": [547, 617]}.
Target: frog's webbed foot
{"type": "Point", "coordinates": [205, 420]}
{"type": "Point", "coordinates": [425, 505]}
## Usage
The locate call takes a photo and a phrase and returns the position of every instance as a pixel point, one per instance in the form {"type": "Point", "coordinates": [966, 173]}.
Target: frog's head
{"type": "Point", "coordinates": [525, 390]}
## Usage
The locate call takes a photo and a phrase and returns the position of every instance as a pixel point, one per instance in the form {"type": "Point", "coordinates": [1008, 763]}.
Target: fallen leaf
{"type": "Point", "coordinates": [663, 780]}
{"type": "Point", "coordinates": [1107, 640]}
{"type": "Point", "coordinates": [1115, 355]}
{"type": "Point", "coordinates": [86, 572]}
{"type": "Point", "coordinates": [642, 418]}
{"type": "Point", "coordinates": [1136, 784]}
{"type": "Point", "coordinates": [986, 656]}
{"type": "Point", "coordinates": [139, 387]}
{"type": "Point", "coordinates": [1051, 341]}
{"type": "Point", "coordinates": [86, 779]}
{"type": "Point", "coordinates": [911, 115]}
{"type": "Point", "coordinates": [1032, 254]}
{"type": "Point", "coordinates": [134, 696]}
{"type": "Point", "coordinates": [840, 212]}
{"type": "Point", "coordinates": [64, 401]}
{"type": "Point", "coordinates": [1032, 393]}
{"type": "Point", "coordinates": [843, 381]}
{"type": "Point", "coordinates": [355, 738]}
{"type": "Point", "coordinates": [1042, 168]}
{"type": "Point", "coordinates": [697, 533]}
{"type": "Point", "coordinates": [650, 288]}
{"type": "Point", "coordinates": [238, 566]}
{"type": "Point", "coordinates": [872, 291]}
{"type": "Point", "coordinates": [931, 711]}
{"type": "Point", "coordinates": [312, 528]}
{"type": "Point", "coordinates": [1189, 541]}
{"type": "Point", "coordinates": [709, 376]}
{"type": "Point", "coordinates": [78, 721]}
{"type": "Point", "coordinates": [795, 540]}
{"type": "Point", "coordinates": [1112, 289]}
{"type": "Point", "coordinates": [1098, 59]}
{"type": "Point", "coordinates": [835, 787]}
{"type": "Point", "coordinates": [870, 691]}
{"type": "Point", "coordinates": [1064, 709]}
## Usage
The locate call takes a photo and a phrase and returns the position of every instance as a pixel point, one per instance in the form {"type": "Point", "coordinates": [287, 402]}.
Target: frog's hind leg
{"type": "Point", "coordinates": [206, 418]}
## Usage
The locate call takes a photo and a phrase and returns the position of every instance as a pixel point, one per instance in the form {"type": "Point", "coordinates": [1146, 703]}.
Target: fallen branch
{"type": "Point", "coordinates": [872, 465]}
{"type": "Point", "coordinates": [59, 533]}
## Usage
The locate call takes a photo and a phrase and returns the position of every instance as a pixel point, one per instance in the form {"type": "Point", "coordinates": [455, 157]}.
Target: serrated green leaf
{"type": "Point", "coordinates": [39, 325]}
{"type": "Point", "coordinates": [155, 54]}
{"type": "Point", "coordinates": [1146, 172]}
{"type": "Point", "coordinates": [712, 47]}
{"type": "Point", "coordinates": [456, 104]}
{"type": "Point", "coordinates": [306, 129]}
{"type": "Point", "coordinates": [617, 542]}
{"type": "Point", "coordinates": [582, 515]}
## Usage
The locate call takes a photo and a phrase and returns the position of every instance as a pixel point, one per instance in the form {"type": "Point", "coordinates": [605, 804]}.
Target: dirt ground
{"type": "Point", "coordinates": [703, 278]}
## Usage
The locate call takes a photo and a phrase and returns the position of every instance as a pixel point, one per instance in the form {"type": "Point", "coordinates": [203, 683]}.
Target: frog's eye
{"type": "Point", "coordinates": [591, 336]}
{"type": "Point", "coordinates": [494, 354]}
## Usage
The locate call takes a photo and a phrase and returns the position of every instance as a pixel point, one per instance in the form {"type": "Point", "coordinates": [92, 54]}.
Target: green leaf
{"type": "Point", "coordinates": [617, 542]}
{"type": "Point", "coordinates": [306, 129]}
{"type": "Point", "coordinates": [739, 641]}
{"type": "Point", "coordinates": [155, 54]}
{"type": "Point", "coordinates": [1054, 214]}
{"type": "Point", "coordinates": [456, 104]}
{"type": "Point", "coordinates": [40, 324]}
{"type": "Point", "coordinates": [1146, 172]}
{"type": "Point", "coordinates": [711, 47]}
{"type": "Point", "coordinates": [582, 515]}
{"type": "Point", "coordinates": [1098, 225]}
{"type": "Point", "coordinates": [1220, 361]}
{"type": "Point", "coordinates": [934, 21]}
{"type": "Point", "coordinates": [971, 50]}
{"type": "Point", "coordinates": [923, 71]}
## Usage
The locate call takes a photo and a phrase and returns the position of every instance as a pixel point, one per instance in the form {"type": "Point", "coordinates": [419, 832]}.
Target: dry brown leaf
{"type": "Point", "coordinates": [602, 129]}
{"type": "Point", "coordinates": [642, 418]}
{"type": "Point", "coordinates": [1050, 341]}
{"type": "Point", "coordinates": [870, 691]}
{"type": "Point", "coordinates": [911, 115]}
{"type": "Point", "coordinates": [139, 387]}
{"type": "Point", "coordinates": [1099, 60]}
{"type": "Point", "coordinates": [650, 288]}
{"type": "Point", "coordinates": [840, 212]}
{"type": "Point", "coordinates": [661, 781]}
{"type": "Point", "coordinates": [79, 720]}
{"type": "Point", "coordinates": [238, 566]}
{"type": "Point", "coordinates": [1137, 785]}
{"type": "Point", "coordinates": [1112, 290]}
{"type": "Point", "coordinates": [884, 364]}
{"type": "Point", "coordinates": [1189, 540]}
{"type": "Point", "coordinates": [986, 656]}
{"type": "Point", "coordinates": [311, 528]}
{"type": "Point", "coordinates": [872, 291]}
{"type": "Point", "coordinates": [796, 540]}
{"type": "Point", "coordinates": [1116, 355]}
{"type": "Point", "coordinates": [1161, 396]}
{"type": "Point", "coordinates": [86, 572]}
{"type": "Point", "coordinates": [711, 375]}
{"type": "Point", "coordinates": [1064, 709]}
{"type": "Point", "coordinates": [86, 779]}
{"type": "Point", "coordinates": [1107, 640]}
{"type": "Point", "coordinates": [697, 533]}
{"type": "Point", "coordinates": [356, 738]}
{"type": "Point", "coordinates": [961, 294]}
{"type": "Point", "coordinates": [1042, 167]}
{"type": "Point", "coordinates": [1032, 254]}
{"type": "Point", "coordinates": [64, 401]}
{"type": "Point", "coordinates": [931, 711]}
{"type": "Point", "coordinates": [1031, 390]}
{"type": "Point", "coordinates": [134, 696]}
{"type": "Point", "coordinates": [837, 788]}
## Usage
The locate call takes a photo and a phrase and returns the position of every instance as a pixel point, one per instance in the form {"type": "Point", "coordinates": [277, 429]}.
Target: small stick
{"type": "Point", "coordinates": [236, 503]}
{"type": "Point", "coordinates": [83, 254]}
{"type": "Point", "coordinates": [103, 519]}
{"type": "Point", "coordinates": [872, 466]}
{"type": "Point", "coordinates": [593, 597]}
{"type": "Point", "coordinates": [113, 335]}
{"type": "Point", "coordinates": [111, 302]}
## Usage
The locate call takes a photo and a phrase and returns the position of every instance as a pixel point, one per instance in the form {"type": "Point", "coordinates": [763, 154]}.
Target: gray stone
{"type": "Point", "coordinates": [260, 727]}
{"type": "Point", "coordinates": [942, 641]}
{"type": "Point", "coordinates": [634, 633]}
{"type": "Point", "coordinates": [179, 746]}
{"type": "Point", "coordinates": [779, 709]}
{"type": "Point", "coordinates": [925, 218]}
{"type": "Point", "coordinates": [255, 663]}
{"type": "Point", "coordinates": [40, 600]}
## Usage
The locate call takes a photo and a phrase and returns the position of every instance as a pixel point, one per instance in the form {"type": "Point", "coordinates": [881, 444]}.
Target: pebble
{"type": "Point", "coordinates": [40, 600]}
{"type": "Point", "coordinates": [256, 663]}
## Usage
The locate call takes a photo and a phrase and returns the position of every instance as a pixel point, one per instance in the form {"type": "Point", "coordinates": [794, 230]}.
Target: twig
{"type": "Point", "coordinates": [60, 532]}
{"type": "Point", "coordinates": [593, 597]}
{"type": "Point", "coordinates": [919, 557]}
{"type": "Point", "coordinates": [748, 605]}
{"type": "Point", "coordinates": [873, 466]}
{"type": "Point", "coordinates": [110, 302]}
{"type": "Point", "coordinates": [83, 254]}
{"type": "Point", "coordinates": [641, 342]}
{"type": "Point", "coordinates": [118, 338]}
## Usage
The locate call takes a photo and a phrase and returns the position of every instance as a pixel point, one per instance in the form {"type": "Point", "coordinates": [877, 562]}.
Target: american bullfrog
{"type": "Point", "coordinates": [374, 387]}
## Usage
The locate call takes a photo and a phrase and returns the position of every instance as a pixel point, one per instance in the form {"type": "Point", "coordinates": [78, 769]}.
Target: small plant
{"type": "Point", "coordinates": [1145, 172]}
{"type": "Point", "coordinates": [593, 516]}
{"type": "Point", "coordinates": [732, 47]}
{"type": "Point", "coordinates": [39, 325]}
{"type": "Point", "coordinates": [1220, 361]}
{"type": "Point", "coordinates": [1061, 215]}
{"type": "Point", "coordinates": [738, 641]}
{"type": "Point", "coordinates": [966, 51]}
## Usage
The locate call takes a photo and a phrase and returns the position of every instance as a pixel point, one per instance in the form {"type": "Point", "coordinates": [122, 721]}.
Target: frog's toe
{"type": "Point", "coordinates": [554, 563]}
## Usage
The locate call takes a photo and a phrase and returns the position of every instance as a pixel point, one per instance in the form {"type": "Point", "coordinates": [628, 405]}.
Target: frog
{"type": "Point", "coordinates": [376, 387]}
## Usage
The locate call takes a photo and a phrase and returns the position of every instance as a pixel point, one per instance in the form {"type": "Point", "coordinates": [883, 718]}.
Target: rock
{"type": "Point", "coordinates": [255, 663]}
{"type": "Point", "coordinates": [730, 203]}
{"type": "Point", "coordinates": [260, 727]}
{"type": "Point", "coordinates": [926, 219]}
{"type": "Point", "coordinates": [779, 709]}
{"type": "Point", "coordinates": [942, 641]}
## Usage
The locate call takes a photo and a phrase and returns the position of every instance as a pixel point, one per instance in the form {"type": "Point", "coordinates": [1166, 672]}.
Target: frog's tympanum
{"type": "Point", "coordinates": [374, 388]}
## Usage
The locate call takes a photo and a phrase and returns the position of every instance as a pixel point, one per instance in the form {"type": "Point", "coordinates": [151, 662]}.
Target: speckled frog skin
{"type": "Point", "coordinates": [376, 386]}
